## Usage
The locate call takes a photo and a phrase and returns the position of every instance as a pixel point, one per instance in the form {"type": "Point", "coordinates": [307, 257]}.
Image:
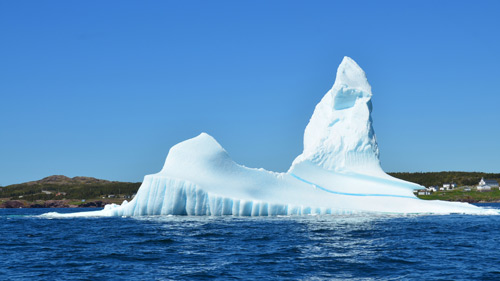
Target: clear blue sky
{"type": "Point", "coordinates": [105, 88]}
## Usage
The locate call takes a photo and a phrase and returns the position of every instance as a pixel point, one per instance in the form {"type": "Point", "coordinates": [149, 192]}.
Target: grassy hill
{"type": "Point", "coordinates": [461, 195]}
{"type": "Point", "coordinates": [462, 179]}
{"type": "Point", "coordinates": [58, 187]}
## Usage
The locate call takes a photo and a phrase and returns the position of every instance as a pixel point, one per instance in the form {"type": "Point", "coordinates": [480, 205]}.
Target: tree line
{"type": "Point", "coordinates": [32, 192]}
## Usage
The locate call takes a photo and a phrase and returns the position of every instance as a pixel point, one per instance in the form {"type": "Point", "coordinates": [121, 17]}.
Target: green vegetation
{"type": "Point", "coordinates": [461, 179]}
{"type": "Point", "coordinates": [60, 187]}
{"type": "Point", "coordinates": [81, 191]}
{"type": "Point", "coordinates": [439, 178]}
{"type": "Point", "coordinates": [472, 196]}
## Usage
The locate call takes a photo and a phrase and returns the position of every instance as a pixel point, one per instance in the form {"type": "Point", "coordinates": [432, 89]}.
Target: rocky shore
{"type": "Point", "coordinates": [52, 204]}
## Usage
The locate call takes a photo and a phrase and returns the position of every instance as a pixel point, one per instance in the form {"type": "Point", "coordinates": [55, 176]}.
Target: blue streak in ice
{"type": "Point", "coordinates": [350, 194]}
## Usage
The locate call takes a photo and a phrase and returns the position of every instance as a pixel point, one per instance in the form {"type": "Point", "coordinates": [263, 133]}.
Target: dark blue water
{"type": "Point", "coordinates": [455, 247]}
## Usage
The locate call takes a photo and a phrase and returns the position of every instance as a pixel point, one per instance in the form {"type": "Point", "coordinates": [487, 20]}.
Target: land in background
{"type": "Point", "coordinates": [61, 191]}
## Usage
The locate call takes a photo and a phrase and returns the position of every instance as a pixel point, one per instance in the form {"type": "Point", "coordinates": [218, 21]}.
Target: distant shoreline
{"type": "Point", "coordinates": [58, 204]}
{"type": "Point", "coordinates": [49, 204]}
{"type": "Point", "coordinates": [59, 191]}
{"type": "Point", "coordinates": [461, 195]}
{"type": "Point", "coordinates": [52, 204]}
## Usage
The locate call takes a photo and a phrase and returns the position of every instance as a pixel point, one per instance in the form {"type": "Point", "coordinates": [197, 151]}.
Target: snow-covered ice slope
{"type": "Point", "coordinates": [338, 172]}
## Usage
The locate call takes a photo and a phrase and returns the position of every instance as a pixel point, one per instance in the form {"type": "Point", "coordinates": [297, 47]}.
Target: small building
{"type": "Point", "coordinates": [491, 183]}
{"type": "Point", "coordinates": [432, 188]}
{"type": "Point", "coordinates": [449, 186]}
{"type": "Point", "coordinates": [483, 188]}
{"type": "Point", "coordinates": [111, 196]}
{"type": "Point", "coordinates": [423, 192]}
{"type": "Point", "coordinates": [46, 192]}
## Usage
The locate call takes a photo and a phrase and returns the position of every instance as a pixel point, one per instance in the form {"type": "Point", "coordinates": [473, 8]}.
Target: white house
{"type": "Point", "coordinates": [448, 186]}
{"type": "Point", "coordinates": [432, 189]}
{"type": "Point", "coordinates": [491, 183]}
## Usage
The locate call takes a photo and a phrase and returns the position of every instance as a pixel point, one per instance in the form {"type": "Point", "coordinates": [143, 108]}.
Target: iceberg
{"type": "Point", "coordinates": [338, 171]}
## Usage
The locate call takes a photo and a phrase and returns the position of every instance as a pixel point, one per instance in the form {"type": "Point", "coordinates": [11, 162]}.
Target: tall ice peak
{"type": "Point", "coordinates": [340, 136]}
{"type": "Point", "coordinates": [349, 74]}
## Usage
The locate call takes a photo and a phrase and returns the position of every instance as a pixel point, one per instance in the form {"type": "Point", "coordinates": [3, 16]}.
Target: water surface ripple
{"type": "Point", "coordinates": [454, 247]}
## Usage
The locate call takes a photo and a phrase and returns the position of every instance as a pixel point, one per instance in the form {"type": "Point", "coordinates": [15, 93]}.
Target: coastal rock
{"type": "Point", "coordinates": [13, 204]}
{"type": "Point", "coordinates": [93, 204]}
{"type": "Point", "coordinates": [37, 205]}
{"type": "Point", "coordinates": [56, 204]}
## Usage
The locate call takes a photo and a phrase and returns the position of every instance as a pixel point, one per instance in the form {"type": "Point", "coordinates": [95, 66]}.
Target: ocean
{"type": "Point", "coordinates": [414, 247]}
